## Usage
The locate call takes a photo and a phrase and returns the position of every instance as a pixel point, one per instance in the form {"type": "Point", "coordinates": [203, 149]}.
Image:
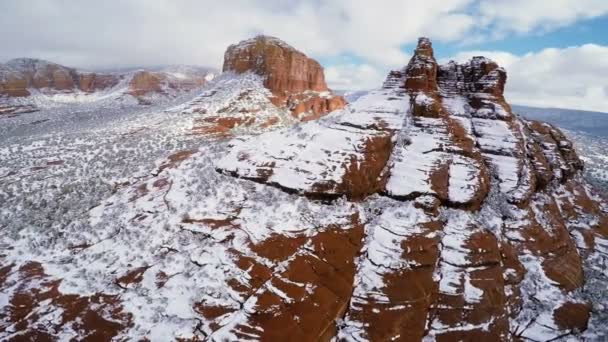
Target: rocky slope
{"type": "Point", "coordinates": [423, 210]}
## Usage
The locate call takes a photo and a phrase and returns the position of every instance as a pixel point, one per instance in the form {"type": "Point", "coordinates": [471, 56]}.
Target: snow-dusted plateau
{"type": "Point", "coordinates": [256, 204]}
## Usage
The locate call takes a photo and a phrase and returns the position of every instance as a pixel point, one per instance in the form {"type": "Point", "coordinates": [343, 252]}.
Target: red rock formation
{"type": "Point", "coordinates": [91, 82]}
{"type": "Point", "coordinates": [421, 71]}
{"type": "Point", "coordinates": [462, 152]}
{"type": "Point", "coordinates": [286, 69]}
{"type": "Point", "coordinates": [39, 74]}
{"type": "Point", "coordinates": [296, 81]}
{"type": "Point", "coordinates": [14, 86]}
{"type": "Point", "coordinates": [144, 82]}
{"type": "Point", "coordinates": [19, 75]}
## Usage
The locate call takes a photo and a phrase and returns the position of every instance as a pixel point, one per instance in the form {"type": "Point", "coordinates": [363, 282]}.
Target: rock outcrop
{"type": "Point", "coordinates": [266, 83]}
{"type": "Point", "coordinates": [144, 82]}
{"type": "Point", "coordinates": [90, 82]}
{"type": "Point", "coordinates": [19, 76]}
{"type": "Point", "coordinates": [295, 80]}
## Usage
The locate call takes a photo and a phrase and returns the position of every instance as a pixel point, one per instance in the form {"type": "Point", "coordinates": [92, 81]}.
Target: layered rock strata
{"type": "Point", "coordinates": [296, 81]}
{"type": "Point", "coordinates": [491, 220]}
{"type": "Point", "coordinates": [20, 77]}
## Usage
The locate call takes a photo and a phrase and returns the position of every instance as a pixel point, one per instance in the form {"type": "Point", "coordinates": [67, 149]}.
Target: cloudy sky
{"type": "Point", "coordinates": [556, 53]}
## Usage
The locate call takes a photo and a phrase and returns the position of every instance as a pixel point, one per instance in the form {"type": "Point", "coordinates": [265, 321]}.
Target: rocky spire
{"type": "Point", "coordinates": [421, 71]}
{"type": "Point", "coordinates": [479, 75]}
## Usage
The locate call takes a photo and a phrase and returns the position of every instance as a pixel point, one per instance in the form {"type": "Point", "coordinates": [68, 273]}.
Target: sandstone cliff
{"type": "Point", "coordinates": [19, 76]}
{"type": "Point", "coordinates": [266, 84]}
{"type": "Point", "coordinates": [295, 80]}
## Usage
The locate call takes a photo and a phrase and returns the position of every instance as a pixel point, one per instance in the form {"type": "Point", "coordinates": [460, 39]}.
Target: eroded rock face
{"type": "Point", "coordinates": [286, 69]}
{"type": "Point", "coordinates": [158, 82]}
{"type": "Point", "coordinates": [40, 75]}
{"type": "Point", "coordinates": [144, 82]}
{"type": "Point", "coordinates": [491, 205]}
{"type": "Point", "coordinates": [296, 81]}
{"type": "Point", "coordinates": [91, 82]}
{"type": "Point", "coordinates": [13, 85]}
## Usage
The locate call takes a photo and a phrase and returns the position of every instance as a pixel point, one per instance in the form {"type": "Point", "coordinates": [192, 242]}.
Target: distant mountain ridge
{"type": "Point", "coordinates": [24, 80]}
{"type": "Point", "coordinates": [595, 123]}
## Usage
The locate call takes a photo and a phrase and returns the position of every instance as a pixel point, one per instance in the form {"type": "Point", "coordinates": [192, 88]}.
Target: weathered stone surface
{"type": "Point", "coordinates": [286, 69]}
{"type": "Point", "coordinates": [421, 71]}
{"type": "Point", "coordinates": [90, 82]}
{"type": "Point", "coordinates": [309, 108]}
{"type": "Point", "coordinates": [295, 80]}
{"type": "Point", "coordinates": [19, 75]}
{"type": "Point", "coordinates": [100, 315]}
{"type": "Point", "coordinates": [572, 316]}
{"type": "Point", "coordinates": [479, 75]}
{"type": "Point", "coordinates": [14, 85]}
{"type": "Point", "coordinates": [144, 82]}
{"type": "Point", "coordinates": [325, 158]}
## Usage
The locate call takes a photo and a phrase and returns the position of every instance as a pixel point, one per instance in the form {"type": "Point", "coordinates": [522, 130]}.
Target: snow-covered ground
{"type": "Point", "coordinates": [592, 150]}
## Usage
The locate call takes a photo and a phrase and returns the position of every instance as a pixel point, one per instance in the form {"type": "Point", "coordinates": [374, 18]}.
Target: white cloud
{"type": "Point", "coordinates": [522, 16]}
{"type": "Point", "coordinates": [197, 32]}
{"type": "Point", "coordinates": [353, 77]}
{"type": "Point", "coordinates": [573, 77]}
{"type": "Point", "coordinates": [104, 33]}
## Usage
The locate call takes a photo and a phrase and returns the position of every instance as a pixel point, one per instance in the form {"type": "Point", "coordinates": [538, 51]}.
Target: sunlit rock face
{"type": "Point", "coordinates": [295, 80]}
{"type": "Point", "coordinates": [265, 84]}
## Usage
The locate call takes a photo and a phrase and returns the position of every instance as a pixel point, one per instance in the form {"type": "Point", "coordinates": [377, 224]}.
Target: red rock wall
{"type": "Point", "coordinates": [286, 69]}
{"type": "Point", "coordinates": [288, 73]}
{"type": "Point", "coordinates": [144, 82]}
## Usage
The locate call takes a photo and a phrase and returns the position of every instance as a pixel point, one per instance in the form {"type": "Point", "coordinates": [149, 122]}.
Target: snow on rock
{"type": "Point", "coordinates": [296, 81]}
{"type": "Point", "coordinates": [394, 278]}
{"type": "Point", "coordinates": [423, 210]}
{"type": "Point", "coordinates": [41, 82]}
{"type": "Point", "coordinates": [234, 103]}
{"type": "Point", "coordinates": [495, 137]}
{"type": "Point", "coordinates": [341, 154]}
{"type": "Point", "coordinates": [464, 179]}
{"type": "Point", "coordinates": [423, 164]}
{"type": "Point", "coordinates": [416, 157]}
{"type": "Point", "coordinates": [469, 272]}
